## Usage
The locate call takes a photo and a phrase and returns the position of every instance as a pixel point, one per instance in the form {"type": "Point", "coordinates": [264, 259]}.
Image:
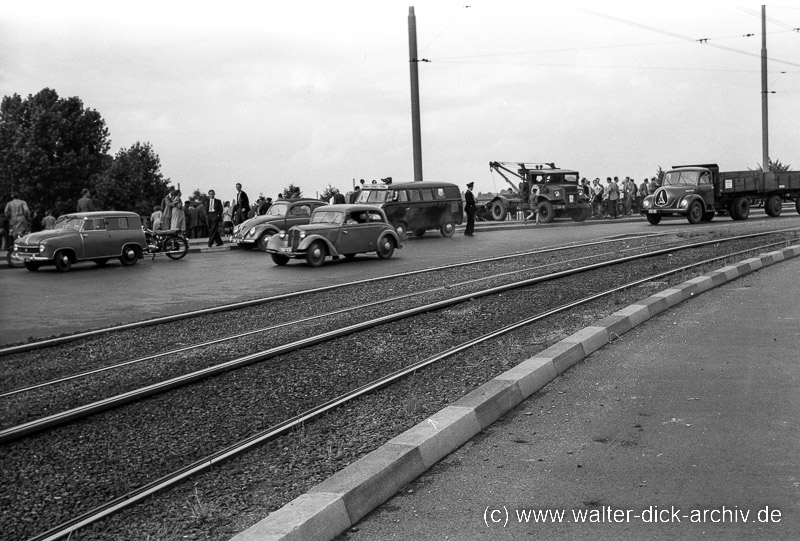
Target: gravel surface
{"type": "Point", "coordinates": [49, 477]}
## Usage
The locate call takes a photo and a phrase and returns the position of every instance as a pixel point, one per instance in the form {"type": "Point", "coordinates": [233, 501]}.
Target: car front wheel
{"type": "Point", "coordinates": [386, 247]}
{"type": "Point", "coordinates": [448, 229]}
{"type": "Point", "coordinates": [262, 241]}
{"type": "Point", "coordinates": [279, 259]}
{"type": "Point", "coordinates": [63, 261]}
{"type": "Point", "coordinates": [316, 253]}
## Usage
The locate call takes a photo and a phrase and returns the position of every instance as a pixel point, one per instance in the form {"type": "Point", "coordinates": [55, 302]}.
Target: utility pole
{"type": "Point", "coordinates": [415, 123]}
{"type": "Point", "coordinates": [764, 93]}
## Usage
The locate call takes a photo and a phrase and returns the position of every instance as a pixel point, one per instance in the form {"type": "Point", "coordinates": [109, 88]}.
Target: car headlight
{"type": "Point", "coordinates": [41, 248]}
{"type": "Point", "coordinates": [684, 203]}
{"type": "Point", "coordinates": [302, 234]}
{"type": "Point", "coordinates": [282, 234]}
{"type": "Point", "coordinates": [646, 203]}
{"type": "Point", "coordinates": [252, 232]}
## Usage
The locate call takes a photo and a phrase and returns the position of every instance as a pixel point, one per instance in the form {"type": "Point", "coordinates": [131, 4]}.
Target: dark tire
{"type": "Point", "coordinates": [244, 246]}
{"type": "Point", "coordinates": [130, 255]}
{"type": "Point", "coordinates": [448, 229]}
{"type": "Point", "coordinates": [262, 241]}
{"type": "Point", "coordinates": [279, 259]}
{"type": "Point", "coordinates": [402, 230]}
{"type": "Point", "coordinates": [580, 215]}
{"type": "Point", "coordinates": [386, 247]}
{"type": "Point", "coordinates": [175, 247]}
{"type": "Point", "coordinates": [654, 219]}
{"type": "Point", "coordinates": [740, 208]}
{"type": "Point", "coordinates": [499, 211]}
{"type": "Point", "coordinates": [773, 206]}
{"type": "Point", "coordinates": [316, 253]}
{"type": "Point", "coordinates": [32, 266]}
{"type": "Point", "coordinates": [695, 213]}
{"type": "Point", "coordinates": [13, 259]}
{"type": "Point", "coordinates": [546, 212]}
{"type": "Point", "coordinates": [101, 262]}
{"type": "Point", "coordinates": [63, 261]}
{"type": "Point", "coordinates": [419, 232]}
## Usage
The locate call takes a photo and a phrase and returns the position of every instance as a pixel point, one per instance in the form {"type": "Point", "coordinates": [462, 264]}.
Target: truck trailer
{"type": "Point", "coordinates": [700, 192]}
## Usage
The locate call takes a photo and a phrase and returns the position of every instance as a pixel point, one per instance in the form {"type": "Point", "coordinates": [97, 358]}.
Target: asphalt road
{"type": "Point", "coordinates": [48, 303]}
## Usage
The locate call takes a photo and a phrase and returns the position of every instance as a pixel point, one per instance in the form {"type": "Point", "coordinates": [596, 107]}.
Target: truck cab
{"type": "Point", "coordinates": [689, 191]}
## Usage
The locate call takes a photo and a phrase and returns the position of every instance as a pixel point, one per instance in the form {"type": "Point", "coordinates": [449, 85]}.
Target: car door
{"type": "Point", "coordinates": [355, 234]}
{"type": "Point", "coordinates": [95, 239]}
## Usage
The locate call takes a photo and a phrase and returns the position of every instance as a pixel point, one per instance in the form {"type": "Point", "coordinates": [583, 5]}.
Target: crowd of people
{"type": "Point", "coordinates": [617, 197]}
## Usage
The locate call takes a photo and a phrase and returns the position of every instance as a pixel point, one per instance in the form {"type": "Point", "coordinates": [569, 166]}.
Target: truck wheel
{"type": "Point", "coordinates": [448, 229]}
{"type": "Point", "coordinates": [654, 219]}
{"type": "Point", "coordinates": [708, 216]}
{"type": "Point", "coordinates": [546, 212]}
{"type": "Point", "coordinates": [773, 206]}
{"type": "Point", "coordinates": [695, 213]}
{"type": "Point", "coordinates": [740, 208]}
{"type": "Point", "coordinates": [499, 211]}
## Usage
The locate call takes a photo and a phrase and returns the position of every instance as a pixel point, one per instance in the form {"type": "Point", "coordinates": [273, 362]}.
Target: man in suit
{"type": "Point", "coordinates": [470, 208]}
{"type": "Point", "coordinates": [242, 206]}
{"type": "Point", "coordinates": [214, 219]}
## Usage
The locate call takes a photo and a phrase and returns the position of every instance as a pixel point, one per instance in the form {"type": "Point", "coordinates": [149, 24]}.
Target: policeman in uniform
{"type": "Point", "coordinates": [469, 207]}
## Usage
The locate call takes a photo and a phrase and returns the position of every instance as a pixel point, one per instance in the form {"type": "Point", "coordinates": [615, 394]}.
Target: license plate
{"type": "Point", "coordinates": [652, 211]}
{"type": "Point", "coordinates": [287, 249]}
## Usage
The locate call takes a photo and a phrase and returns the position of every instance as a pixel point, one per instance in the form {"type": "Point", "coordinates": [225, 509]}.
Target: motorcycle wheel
{"type": "Point", "coordinates": [176, 247]}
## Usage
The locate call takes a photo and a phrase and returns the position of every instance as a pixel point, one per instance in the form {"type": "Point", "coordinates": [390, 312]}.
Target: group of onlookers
{"type": "Point", "coordinates": [617, 197]}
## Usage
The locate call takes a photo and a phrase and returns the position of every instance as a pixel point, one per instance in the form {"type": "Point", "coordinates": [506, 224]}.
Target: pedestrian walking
{"type": "Point", "coordinates": [241, 207]}
{"type": "Point", "coordinates": [18, 215]}
{"type": "Point", "coordinates": [469, 207]}
{"type": "Point", "coordinates": [214, 218]}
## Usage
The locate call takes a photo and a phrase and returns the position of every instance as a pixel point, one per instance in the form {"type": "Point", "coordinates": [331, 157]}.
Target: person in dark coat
{"type": "Point", "coordinates": [214, 219]}
{"type": "Point", "coordinates": [469, 207]}
{"type": "Point", "coordinates": [241, 207]}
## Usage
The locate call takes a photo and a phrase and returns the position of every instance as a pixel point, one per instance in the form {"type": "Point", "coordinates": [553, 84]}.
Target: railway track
{"type": "Point", "coordinates": [431, 311]}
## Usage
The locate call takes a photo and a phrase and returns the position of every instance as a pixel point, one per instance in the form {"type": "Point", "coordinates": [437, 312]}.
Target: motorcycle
{"type": "Point", "coordinates": [171, 243]}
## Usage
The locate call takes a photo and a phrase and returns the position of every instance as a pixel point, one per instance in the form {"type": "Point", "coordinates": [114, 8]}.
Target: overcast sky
{"type": "Point", "coordinates": [317, 92]}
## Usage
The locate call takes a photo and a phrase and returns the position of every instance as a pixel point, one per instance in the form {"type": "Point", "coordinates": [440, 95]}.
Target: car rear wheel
{"type": "Point", "coordinates": [448, 229]}
{"type": "Point", "coordinates": [129, 256]}
{"type": "Point", "coordinates": [401, 229]}
{"type": "Point", "coordinates": [386, 247]}
{"type": "Point", "coordinates": [262, 241]}
{"type": "Point", "coordinates": [63, 261]}
{"type": "Point", "coordinates": [316, 253]}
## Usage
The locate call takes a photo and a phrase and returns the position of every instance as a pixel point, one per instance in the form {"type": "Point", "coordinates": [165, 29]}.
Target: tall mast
{"type": "Point", "coordinates": [764, 93]}
{"type": "Point", "coordinates": [415, 123]}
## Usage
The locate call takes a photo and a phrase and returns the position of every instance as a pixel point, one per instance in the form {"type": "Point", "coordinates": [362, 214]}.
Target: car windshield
{"type": "Point", "coordinates": [277, 209]}
{"type": "Point", "coordinates": [681, 178]}
{"type": "Point", "coordinates": [327, 217]}
{"type": "Point", "coordinates": [373, 196]}
{"type": "Point", "coordinates": [70, 223]}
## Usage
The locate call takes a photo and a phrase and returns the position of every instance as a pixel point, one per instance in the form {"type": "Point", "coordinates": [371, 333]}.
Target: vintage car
{"type": "Point", "coordinates": [282, 215]}
{"type": "Point", "coordinates": [336, 230]}
{"type": "Point", "coordinates": [84, 236]}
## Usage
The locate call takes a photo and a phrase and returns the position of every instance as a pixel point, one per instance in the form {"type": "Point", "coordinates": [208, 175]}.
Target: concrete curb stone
{"type": "Point", "coordinates": [339, 502]}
